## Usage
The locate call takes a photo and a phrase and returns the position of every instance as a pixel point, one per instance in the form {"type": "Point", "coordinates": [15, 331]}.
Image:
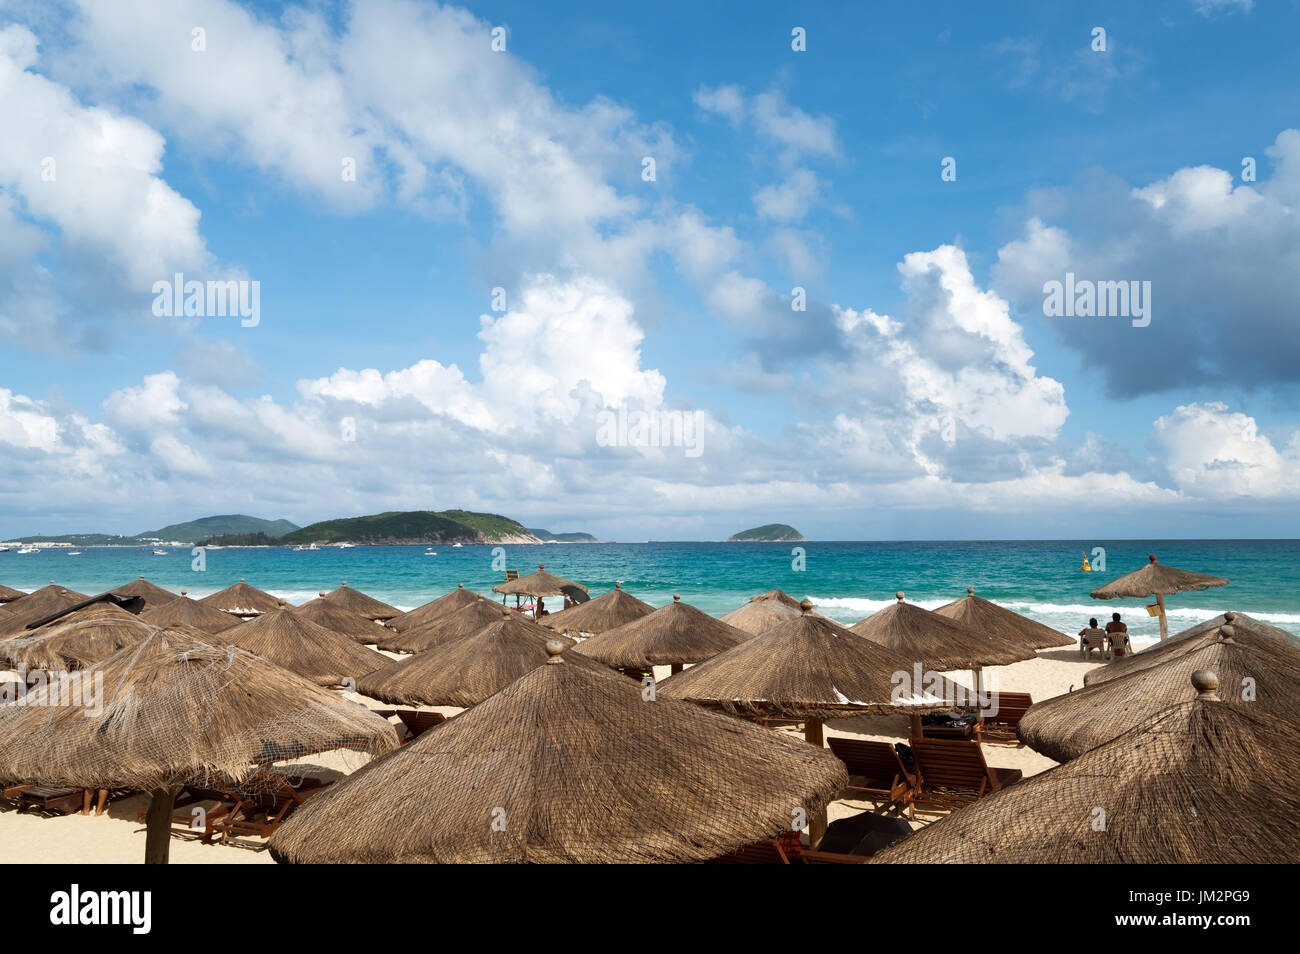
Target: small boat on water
{"type": "Point", "coordinates": [457, 546]}
{"type": "Point", "coordinates": [74, 553]}
{"type": "Point", "coordinates": [23, 550]}
{"type": "Point", "coordinates": [346, 546]}
{"type": "Point", "coordinates": [159, 552]}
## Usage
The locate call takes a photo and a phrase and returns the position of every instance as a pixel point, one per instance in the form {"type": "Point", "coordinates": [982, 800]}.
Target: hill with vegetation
{"type": "Point", "coordinates": [406, 527]}
{"type": "Point", "coordinates": [547, 537]}
{"type": "Point", "coordinates": [768, 533]}
{"type": "Point", "coordinates": [207, 527]}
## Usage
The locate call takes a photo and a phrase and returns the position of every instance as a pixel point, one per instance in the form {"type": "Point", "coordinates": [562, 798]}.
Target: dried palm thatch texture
{"type": "Point", "coordinates": [539, 583]}
{"type": "Point", "coordinates": [331, 615]}
{"type": "Point", "coordinates": [8, 594]}
{"type": "Point", "coordinates": [193, 613]}
{"type": "Point", "coordinates": [176, 710]}
{"type": "Point", "coordinates": [603, 613]}
{"type": "Point", "coordinates": [1156, 579]}
{"type": "Point", "coordinates": [761, 613]}
{"type": "Point", "coordinates": [1200, 783]}
{"type": "Point", "coordinates": [151, 594]}
{"type": "Point", "coordinates": [810, 668]}
{"type": "Point", "coordinates": [37, 605]}
{"type": "Point", "coordinates": [567, 765]}
{"type": "Point", "coordinates": [779, 596]}
{"type": "Point", "coordinates": [357, 602]}
{"type": "Point", "coordinates": [300, 646]}
{"type": "Point", "coordinates": [469, 619]}
{"type": "Point", "coordinates": [242, 600]}
{"type": "Point", "coordinates": [675, 634]}
{"type": "Point", "coordinates": [468, 670]}
{"type": "Point", "coordinates": [1254, 672]}
{"type": "Point", "coordinates": [77, 640]}
{"type": "Point", "coordinates": [936, 642]}
{"type": "Point", "coordinates": [444, 605]}
{"type": "Point", "coordinates": [1248, 629]}
{"type": "Point", "coordinates": [976, 613]}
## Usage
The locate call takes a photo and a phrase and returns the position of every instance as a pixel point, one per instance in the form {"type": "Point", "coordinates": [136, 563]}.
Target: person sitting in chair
{"type": "Point", "coordinates": [1117, 632]}
{"type": "Point", "coordinates": [1092, 635]}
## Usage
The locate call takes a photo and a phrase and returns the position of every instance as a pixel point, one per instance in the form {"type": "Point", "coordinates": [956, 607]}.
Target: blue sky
{"type": "Point", "coordinates": [922, 393]}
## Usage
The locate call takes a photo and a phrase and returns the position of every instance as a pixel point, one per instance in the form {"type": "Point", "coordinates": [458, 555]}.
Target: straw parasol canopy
{"type": "Point", "coordinates": [444, 605]}
{"type": "Point", "coordinates": [567, 764]}
{"type": "Point", "coordinates": [175, 710]}
{"type": "Point", "coordinates": [1182, 642]}
{"type": "Point", "coordinates": [1256, 672]}
{"type": "Point", "coordinates": [539, 583]}
{"type": "Point", "coordinates": [1156, 579]}
{"type": "Point", "coordinates": [8, 594]}
{"type": "Point", "coordinates": [327, 613]}
{"type": "Point", "coordinates": [325, 657]}
{"type": "Point", "coordinates": [193, 613]}
{"type": "Point", "coordinates": [468, 670]}
{"type": "Point", "coordinates": [357, 602]}
{"type": "Point", "coordinates": [760, 614]}
{"type": "Point", "coordinates": [778, 596]}
{"type": "Point", "coordinates": [935, 641]}
{"type": "Point", "coordinates": [603, 613]}
{"type": "Point", "coordinates": [37, 605]}
{"type": "Point", "coordinates": [1202, 782]}
{"type": "Point", "coordinates": [151, 594]}
{"type": "Point", "coordinates": [674, 635]}
{"type": "Point", "coordinates": [976, 613]}
{"type": "Point", "coordinates": [469, 619]}
{"type": "Point", "coordinates": [242, 600]}
{"type": "Point", "coordinates": [75, 641]}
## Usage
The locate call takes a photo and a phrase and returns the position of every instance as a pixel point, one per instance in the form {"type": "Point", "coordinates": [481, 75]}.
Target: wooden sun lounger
{"type": "Point", "coordinates": [273, 807]}
{"type": "Point", "coordinates": [1002, 716]}
{"type": "Point", "coordinates": [46, 798]}
{"type": "Point", "coordinates": [954, 773]}
{"type": "Point", "coordinates": [783, 851]}
{"type": "Point", "coordinates": [877, 763]}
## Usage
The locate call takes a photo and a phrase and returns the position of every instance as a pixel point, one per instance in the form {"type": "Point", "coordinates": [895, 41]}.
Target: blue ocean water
{"type": "Point", "coordinates": [847, 580]}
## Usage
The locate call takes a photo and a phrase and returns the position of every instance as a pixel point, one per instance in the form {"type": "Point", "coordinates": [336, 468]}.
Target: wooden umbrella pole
{"type": "Point", "coordinates": [812, 734]}
{"type": "Point", "coordinates": [1164, 623]}
{"type": "Point", "coordinates": [979, 694]}
{"type": "Point", "coordinates": [158, 826]}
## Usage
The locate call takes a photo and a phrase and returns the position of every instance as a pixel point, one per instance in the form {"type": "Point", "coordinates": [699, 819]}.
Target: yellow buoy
{"type": "Point", "coordinates": [1087, 568]}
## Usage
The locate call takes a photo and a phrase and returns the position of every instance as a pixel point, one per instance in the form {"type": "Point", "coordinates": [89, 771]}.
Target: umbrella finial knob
{"type": "Point", "coordinates": [460, 586]}
{"type": "Point", "coordinates": [184, 592]}
{"type": "Point", "coordinates": [1229, 616]}
{"type": "Point", "coordinates": [241, 579]}
{"type": "Point", "coordinates": [1206, 682]}
{"type": "Point", "coordinates": [806, 605]}
{"type": "Point", "coordinates": [142, 576]}
{"type": "Point", "coordinates": [280, 602]}
{"type": "Point", "coordinates": [345, 582]}
{"type": "Point", "coordinates": [677, 597]}
{"type": "Point", "coordinates": [541, 566]}
{"type": "Point", "coordinates": [505, 611]}
{"type": "Point", "coordinates": [554, 649]}
{"type": "Point", "coordinates": [1227, 630]}
{"type": "Point", "coordinates": [970, 591]}
{"type": "Point", "coordinates": [320, 593]}
{"type": "Point", "coordinates": [618, 586]}
{"type": "Point", "coordinates": [899, 596]}
{"type": "Point", "coordinates": [1151, 557]}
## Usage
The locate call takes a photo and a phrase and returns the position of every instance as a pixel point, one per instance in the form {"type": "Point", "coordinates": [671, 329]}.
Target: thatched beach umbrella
{"type": "Point", "coordinates": [760, 614]}
{"type": "Point", "coordinates": [935, 641]}
{"type": "Point", "coordinates": [567, 764]}
{"type": "Point", "coordinates": [468, 670]}
{"type": "Point", "coordinates": [38, 605]}
{"type": "Point", "coordinates": [811, 668]}
{"type": "Point", "coordinates": [1256, 672]}
{"type": "Point", "coordinates": [598, 615]}
{"type": "Point", "coordinates": [444, 605]}
{"type": "Point", "coordinates": [674, 635]}
{"type": "Point", "coordinates": [976, 613]}
{"type": "Point", "coordinates": [325, 612]}
{"type": "Point", "coordinates": [173, 711]}
{"type": "Point", "coordinates": [8, 594]}
{"type": "Point", "coordinates": [75, 641]}
{"type": "Point", "coordinates": [1201, 782]}
{"type": "Point", "coordinates": [325, 657]}
{"type": "Point", "coordinates": [1156, 579]}
{"type": "Point", "coordinates": [242, 600]}
{"type": "Point", "coordinates": [151, 594]}
{"type": "Point", "coordinates": [539, 583]}
{"type": "Point", "coordinates": [1183, 642]}
{"type": "Point", "coordinates": [357, 602]}
{"type": "Point", "coordinates": [469, 619]}
{"type": "Point", "coordinates": [184, 611]}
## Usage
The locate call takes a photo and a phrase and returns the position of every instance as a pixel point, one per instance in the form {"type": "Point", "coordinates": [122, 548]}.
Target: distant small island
{"type": "Point", "coordinates": [769, 533]}
{"type": "Point", "coordinates": [547, 537]}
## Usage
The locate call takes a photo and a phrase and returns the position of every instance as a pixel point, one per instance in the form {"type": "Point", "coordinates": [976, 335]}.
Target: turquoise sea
{"type": "Point", "coordinates": [847, 580]}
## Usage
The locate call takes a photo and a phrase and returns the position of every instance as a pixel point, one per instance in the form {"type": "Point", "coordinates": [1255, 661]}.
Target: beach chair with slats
{"type": "Point", "coordinates": [48, 799]}
{"type": "Point", "coordinates": [1089, 644]}
{"type": "Point", "coordinates": [877, 764]}
{"type": "Point", "coordinates": [1001, 717]}
{"type": "Point", "coordinates": [954, 774]}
